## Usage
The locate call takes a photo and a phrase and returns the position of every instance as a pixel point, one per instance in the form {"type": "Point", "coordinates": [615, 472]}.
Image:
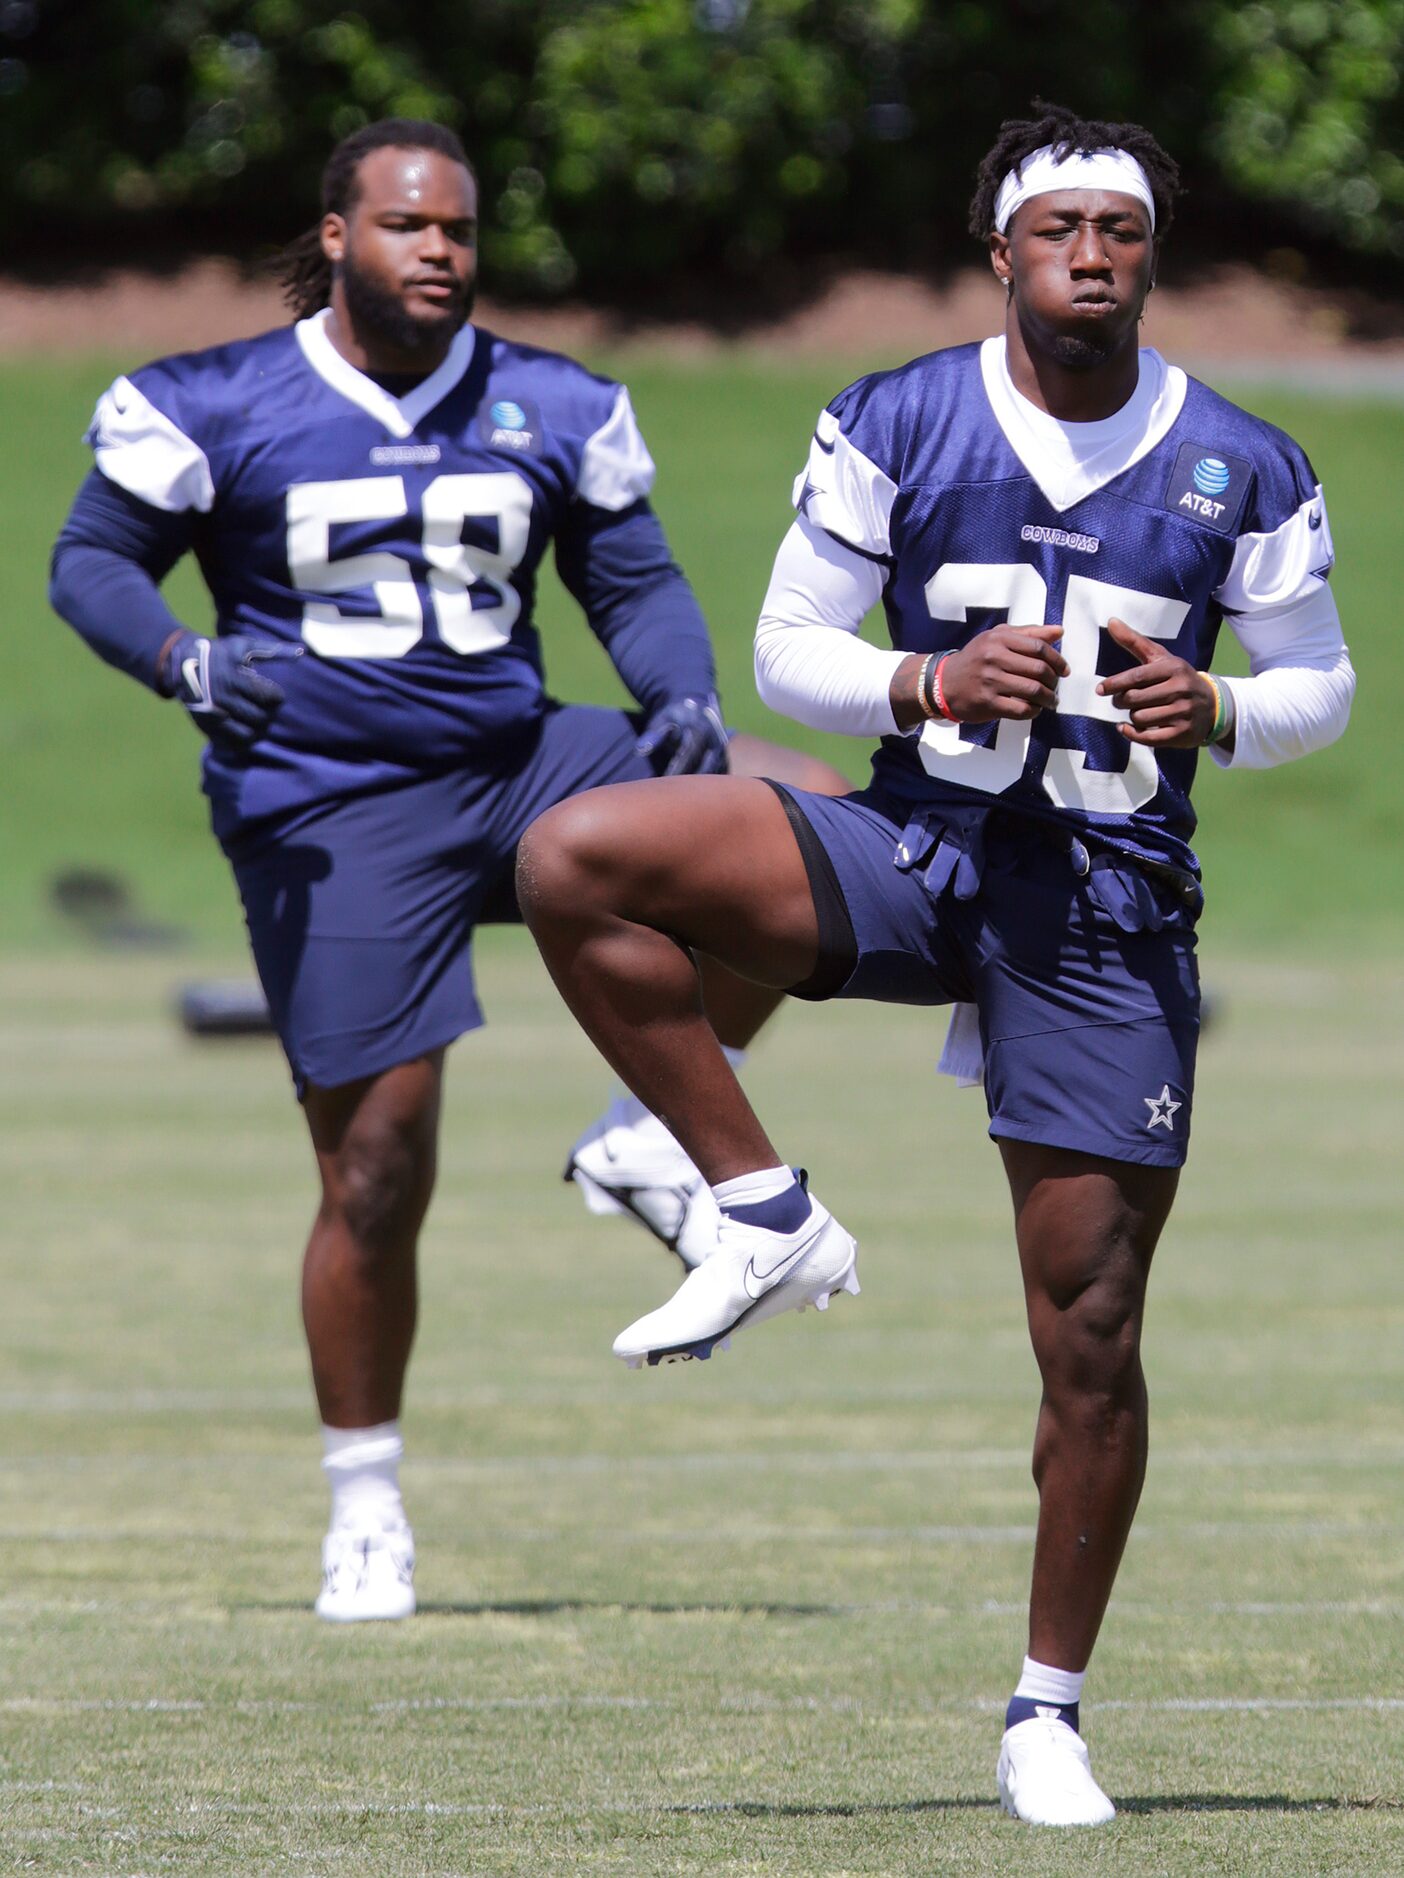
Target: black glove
{"type": "Point", "coordinates": [219, 683]}
{"type": "Point", "coordinates": [686, 737]}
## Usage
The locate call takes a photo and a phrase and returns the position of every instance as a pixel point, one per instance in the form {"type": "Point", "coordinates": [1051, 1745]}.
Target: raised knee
{"type": "Point", "coordinates": [569, 858]}
{"type": "Point", "coordinates": [556, 858]}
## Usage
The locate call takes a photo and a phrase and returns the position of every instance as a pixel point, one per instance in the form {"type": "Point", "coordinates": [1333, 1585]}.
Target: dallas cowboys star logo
{"type": "Point", "coordinates": [1163, 1109]}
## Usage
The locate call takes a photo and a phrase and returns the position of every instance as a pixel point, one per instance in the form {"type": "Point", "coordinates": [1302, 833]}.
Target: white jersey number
{"type": "Point", "coordinates": [459, 574]}
{"type": "Point", "coordinates": [997, 766]}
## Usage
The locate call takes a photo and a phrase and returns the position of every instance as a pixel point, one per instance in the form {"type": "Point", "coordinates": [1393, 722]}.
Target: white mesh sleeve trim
{"type": "Point", "coordinates": [615, 468]}
{"type": "Point", "coordinates": [139, 448]}
{"type": "Point", "coordinates": [1272, 570]}
{"type": "Point", "coordinates": [844, 492]}
{"type": "Point", "coordinates": [1298, 698]}
{"type": "Point", "coordinates": [810, 663]}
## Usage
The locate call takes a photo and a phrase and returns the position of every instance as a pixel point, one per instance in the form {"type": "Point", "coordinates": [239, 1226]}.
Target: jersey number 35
{"type": "Point", "coordinates": [1087, 606]}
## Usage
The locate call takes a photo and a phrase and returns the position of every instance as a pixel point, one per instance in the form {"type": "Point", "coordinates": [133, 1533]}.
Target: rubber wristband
{"type": "Point", "coordinates": [172, 639]}
{"type": "Point", "coordinates": [942, 707]}
{"type": "Point", "coordinates": [924, 698]}
{"type": "Point", "coordinates": [1220, 724]}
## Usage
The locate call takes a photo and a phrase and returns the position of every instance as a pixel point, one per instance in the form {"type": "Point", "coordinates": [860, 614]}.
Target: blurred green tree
{"type": "Point", "coordinates": [1310, 113]}
{"type": "Point", "coordinates": [625, 145]}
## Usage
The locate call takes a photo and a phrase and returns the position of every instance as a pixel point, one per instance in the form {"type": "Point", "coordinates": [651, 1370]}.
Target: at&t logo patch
{"type": "Point", "coordinates": [1211, 475]}
{"type": "Point", "coordinates": [510, 424]}
{"type": "Point", "coordinates": [1209, 486]}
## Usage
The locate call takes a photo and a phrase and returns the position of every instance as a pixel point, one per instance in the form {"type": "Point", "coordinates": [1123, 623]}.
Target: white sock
{"type": "Point", "coordinates": [362, 1466]}
{"type": "Point", "coordinates": [1040, 1682]}
{"type": "Point", "coordinates": [635, 1114]}
{"type": "Point", "coordinates": [751, 1189]}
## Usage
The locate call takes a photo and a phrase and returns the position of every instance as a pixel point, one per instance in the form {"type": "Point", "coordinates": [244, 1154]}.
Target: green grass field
{"type": "Point", "coordinates": [752, 1617]}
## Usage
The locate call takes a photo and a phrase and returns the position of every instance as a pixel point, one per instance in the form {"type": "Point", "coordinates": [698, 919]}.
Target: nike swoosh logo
{"type": "Point", "coordinates": [190, 672]}
{"type": "Point", "coordinates": [1314, 518]}
{"type": "Point", "coordinates": [757, 1283]}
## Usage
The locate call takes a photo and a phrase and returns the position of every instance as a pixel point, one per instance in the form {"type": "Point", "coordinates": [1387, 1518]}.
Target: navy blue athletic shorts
{"type": "Point", "coordinates": [1081, 965]}
{"type": "Point", "coordinates": [361, 911]}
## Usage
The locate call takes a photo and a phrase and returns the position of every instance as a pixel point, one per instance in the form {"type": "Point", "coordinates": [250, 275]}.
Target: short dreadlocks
{"type": "Point", "coordinates": [303, 269]}
{"type": "Point", "coordinates": [1064, 131]}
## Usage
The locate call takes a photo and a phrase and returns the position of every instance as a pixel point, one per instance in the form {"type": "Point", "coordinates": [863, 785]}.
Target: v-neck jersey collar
{"type": "Point", "coordinates": [1072, 461]}
{"type": "Point", "coordinates": [398, 415]}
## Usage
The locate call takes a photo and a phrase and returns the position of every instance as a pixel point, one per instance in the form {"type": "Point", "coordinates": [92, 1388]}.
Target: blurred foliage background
{"type": "Point", "coordinates": [659, 147]}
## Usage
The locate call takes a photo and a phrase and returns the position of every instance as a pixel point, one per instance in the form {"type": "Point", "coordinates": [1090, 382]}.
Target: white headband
{"type": "Point", "coordinates": [1044, 172]}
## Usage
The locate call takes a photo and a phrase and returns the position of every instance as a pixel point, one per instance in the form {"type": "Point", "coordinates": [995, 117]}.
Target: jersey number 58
{"type": "Point", "coordinates": [475, 605]}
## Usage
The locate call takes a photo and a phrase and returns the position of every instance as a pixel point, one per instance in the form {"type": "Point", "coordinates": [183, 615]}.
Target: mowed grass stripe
{"type": "Point", "coordinates": [745, 1705]}
{"type": "Point", "coordinates": [514, 1465]}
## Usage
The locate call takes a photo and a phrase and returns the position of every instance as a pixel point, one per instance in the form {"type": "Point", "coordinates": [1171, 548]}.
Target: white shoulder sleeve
{"type": "Point", "coordinates": [844, 492]}
{"type": "Point", "coordinates": [138, 447]}
{"type": "Point", "coordinates": [615, 468]}
{"type": "Point", "coordinates": [810, 663]}
{"type": "Point", "coordinates": [1271, 570]}
{"type": "Point", "coordinates": [1298, 698]}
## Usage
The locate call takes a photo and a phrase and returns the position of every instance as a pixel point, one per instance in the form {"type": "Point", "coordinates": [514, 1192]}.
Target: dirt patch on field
{"type": "Point", "coordinates": [1234, 314]}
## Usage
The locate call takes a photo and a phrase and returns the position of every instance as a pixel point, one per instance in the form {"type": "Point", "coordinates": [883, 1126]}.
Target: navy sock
{"type": "Point", "coordinates": [1023, 1708]}
{"type": "Point", "coordinates": [785, 1212]}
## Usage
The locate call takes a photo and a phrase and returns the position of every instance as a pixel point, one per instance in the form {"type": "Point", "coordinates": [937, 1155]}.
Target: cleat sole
{"type": "Point", "coordinates": [700, 1352]}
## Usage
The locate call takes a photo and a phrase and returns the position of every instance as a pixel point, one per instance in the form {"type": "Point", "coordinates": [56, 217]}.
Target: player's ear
{"type": "Point", "coordinates": [333, 238]}
{"type": "Point", "coordinates": [1000, 261]}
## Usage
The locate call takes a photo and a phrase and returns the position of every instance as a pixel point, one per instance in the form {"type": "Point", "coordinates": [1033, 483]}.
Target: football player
{"type": "Point", "coordinates": [1056, 522]}
{"type": "Point", "coordinates": [369, 493]}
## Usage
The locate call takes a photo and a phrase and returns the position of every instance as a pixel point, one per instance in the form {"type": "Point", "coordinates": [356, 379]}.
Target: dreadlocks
{"type": "Point", "coordinates": [305, 272]}
{"type": "Point", "coordinates": [1064, 131]}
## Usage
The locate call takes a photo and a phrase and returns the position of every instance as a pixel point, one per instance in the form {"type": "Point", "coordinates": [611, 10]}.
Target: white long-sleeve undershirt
{"type": "Point", "coordinates": [1298, 698]}
{"type": "Point", "coordinates": [812, 666]}
{"type": "Point", "coordinates": [829, 679]}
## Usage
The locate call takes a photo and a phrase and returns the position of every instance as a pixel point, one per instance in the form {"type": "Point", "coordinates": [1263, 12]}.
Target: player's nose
{"type": "Point", "coordinates": [1090, 254]}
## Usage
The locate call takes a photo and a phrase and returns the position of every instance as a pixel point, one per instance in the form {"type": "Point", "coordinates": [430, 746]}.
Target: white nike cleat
{"type": "Point", "coordinates": [1045, 1776]}
{"type": "Point", "coordinates": [638, 1169]}
{"type": "Point", "coordinates": [367, 1576]}
{"type": "Point", "coordinates": [752, 1275]}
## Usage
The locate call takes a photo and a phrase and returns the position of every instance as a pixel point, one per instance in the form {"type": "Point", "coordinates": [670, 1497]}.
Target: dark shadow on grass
{"type": "Point", "coordinates": [556, 1607]}
{"type": "Point", "coordinates": [837, 1809]}
{"type": "Point", "coordinates": [1259, 1803]}
{"type": "Point", "coordinates": [1146, 1803]}
{"type": "Point", "coordinates": [559, 1607]}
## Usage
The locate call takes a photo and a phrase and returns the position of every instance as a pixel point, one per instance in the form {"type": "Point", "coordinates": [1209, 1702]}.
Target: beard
{"type": "Point", "coordinates": [378, 312]}
{"type": "Point", "coordinates": [1076, 353]}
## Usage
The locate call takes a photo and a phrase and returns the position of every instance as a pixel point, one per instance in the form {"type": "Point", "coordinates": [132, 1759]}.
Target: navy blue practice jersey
{"type": "Point", "coordinates": [394, 538]}
{"type": "Point", "coordinates": [1178, 511]}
